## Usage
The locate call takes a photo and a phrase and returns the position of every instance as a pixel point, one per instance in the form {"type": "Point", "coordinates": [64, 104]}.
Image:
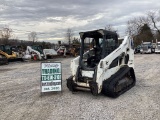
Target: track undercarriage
{"type": "Point", "coordinates": [116, 85]}
{"type": "Point", "coordinates": [119, 83]}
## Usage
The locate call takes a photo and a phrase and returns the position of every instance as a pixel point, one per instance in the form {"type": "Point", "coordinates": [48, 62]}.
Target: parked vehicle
{"type": "Point", "coordinates": [157, 49]}
{"type": "Point", "coordinates": [19, 51]}
{"type": "Point", "coordinates": [75, 50]}
{"type": "Point", "coordinates": [39, 49]}
{"type": "Point", "coordinates": [147, 47]}
{"type": "Point", "coordinates": [137, 49]}
{"type": "Point", "coordinates": [35, 53]}
{"type": "Point", "coordinates": [62, 50]}
{"type": "Point", "coordinates": [6, 51]}
{"type": "Point", "coordinates": [50, 53]}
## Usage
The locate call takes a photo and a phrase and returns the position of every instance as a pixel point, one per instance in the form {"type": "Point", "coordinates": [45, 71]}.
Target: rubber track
{"type": "Point", "coordinates": [109, 84]}
{"type": "Point", "coordinates": [71, 85]}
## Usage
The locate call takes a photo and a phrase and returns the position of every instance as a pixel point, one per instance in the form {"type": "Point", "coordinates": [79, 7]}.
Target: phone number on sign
{"type": "Point", "coordinates": [51, 88]}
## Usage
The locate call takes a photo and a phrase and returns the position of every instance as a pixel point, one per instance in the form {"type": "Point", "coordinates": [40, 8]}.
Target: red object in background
{"type": "Point", "coordinates": [61, 51]}
{"type": "Point", "coordinates": [35, 57]}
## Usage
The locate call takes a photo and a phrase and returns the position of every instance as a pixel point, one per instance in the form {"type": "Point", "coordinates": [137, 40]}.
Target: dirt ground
{"type": "Point", "coordinates": [20, 97]}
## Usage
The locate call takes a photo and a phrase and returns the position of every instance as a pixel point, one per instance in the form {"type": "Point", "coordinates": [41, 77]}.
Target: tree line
{"type": "Point", "coordinates": [6, 34]}
{"type": "Point", "coordinates": [145, 28]}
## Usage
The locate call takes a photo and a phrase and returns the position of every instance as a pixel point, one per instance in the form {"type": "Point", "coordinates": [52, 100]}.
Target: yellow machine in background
{"type": "Point", "coordinates": [75, 50]}
{"type": "Point", "coordinates": [7, 52]}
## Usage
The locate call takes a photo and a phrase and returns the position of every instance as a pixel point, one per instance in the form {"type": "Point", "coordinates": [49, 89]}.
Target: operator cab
{"type": "Point", "coordinates": [6, 49]}
{"type": "Point", "coordinates": [99, 44]}
{"type": "Point", "coordinates": [38, 48]}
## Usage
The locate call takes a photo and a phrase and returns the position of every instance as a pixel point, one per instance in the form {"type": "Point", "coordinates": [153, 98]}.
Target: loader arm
{"type": "Point", "coordinates": [115, 60]}
{"type": "Point", "coordinates": [5, 54]}
{"type": "Point", "coordinates": [12, 56]}
{"type": "Point", "coordinates": [29, 50]}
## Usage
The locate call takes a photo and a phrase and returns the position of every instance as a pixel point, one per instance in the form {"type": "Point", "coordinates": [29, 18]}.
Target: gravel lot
{"type": "Point", "coordinates": [20, 97]}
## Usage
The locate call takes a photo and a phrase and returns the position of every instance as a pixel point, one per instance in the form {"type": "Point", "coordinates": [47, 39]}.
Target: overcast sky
{"type": "Point", "coordinates": [51, 18]}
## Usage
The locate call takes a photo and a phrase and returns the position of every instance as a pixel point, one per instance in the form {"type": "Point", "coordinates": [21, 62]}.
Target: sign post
{"type": "Point", "coordinates": [51, 76]}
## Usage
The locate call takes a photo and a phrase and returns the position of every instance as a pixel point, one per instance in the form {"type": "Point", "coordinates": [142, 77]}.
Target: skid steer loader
{"type": "Point", "coordinates": [107, 67]}
{"type": "Point", "coordinates": [6, 51]}
{"type": "Point", "coordinates": [35, 53]}
{"type": "Point", "coordinates": [74, 50]}
{"type": "Point", "coordinates": [39, 49]}
{"type": "Point", "coordinates": [19, 51]}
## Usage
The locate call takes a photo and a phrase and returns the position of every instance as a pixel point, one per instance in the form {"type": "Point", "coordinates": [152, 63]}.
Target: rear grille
{"type": "Point", "coordinates": [145, 48]}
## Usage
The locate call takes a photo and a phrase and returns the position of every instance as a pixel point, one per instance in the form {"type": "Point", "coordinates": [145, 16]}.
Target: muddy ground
{"type": "Point", "coordinates": [20, 97]}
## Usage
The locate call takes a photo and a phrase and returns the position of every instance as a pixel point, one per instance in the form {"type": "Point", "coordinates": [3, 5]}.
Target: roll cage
{"type": "Point", "coordinates": [103, 43]}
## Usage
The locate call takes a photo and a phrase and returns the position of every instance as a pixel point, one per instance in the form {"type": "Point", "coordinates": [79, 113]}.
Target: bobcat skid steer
{"type": "Point", "coordinates": [36, 52]}
{"type": "Point", "coordinates": [106, 67]}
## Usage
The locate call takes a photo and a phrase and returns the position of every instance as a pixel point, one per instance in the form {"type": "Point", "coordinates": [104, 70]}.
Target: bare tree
{"type": "Point", "coordinates": [134, 25]}
{"type": "Point", "coordinates": [134, 29]}
{"type": "Point", "coordinates": [75, 41]}
{"type": "Point", "coordinates": [109, 28]}
{"type": "Point", "coordinates": [69, 35]}
{"type": "Point", "coordinates": [32, 37]}
{"type": "Point", "coordinates": [5, 34]}
{"type": "Point", "coordinates": [154, 17]}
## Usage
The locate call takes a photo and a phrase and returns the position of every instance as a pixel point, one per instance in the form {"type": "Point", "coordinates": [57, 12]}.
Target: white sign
{"type": "Point", "coordinates": [51, 77]}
